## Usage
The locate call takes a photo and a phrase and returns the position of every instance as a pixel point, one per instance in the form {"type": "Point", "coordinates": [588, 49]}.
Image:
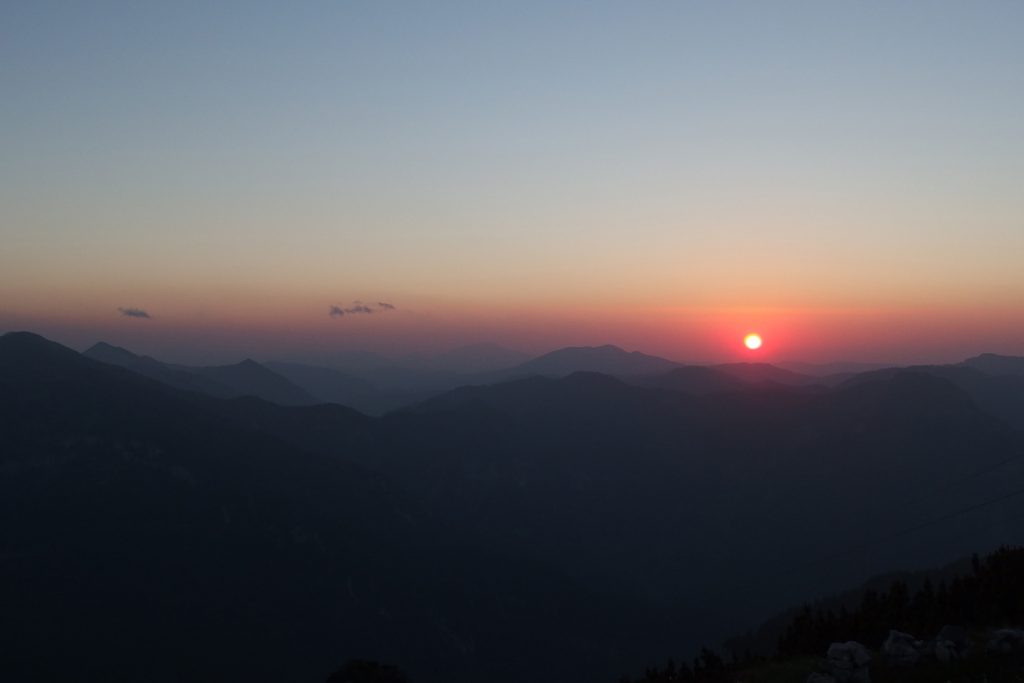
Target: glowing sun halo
{"type": "Point", "coordinates": [752, 341]}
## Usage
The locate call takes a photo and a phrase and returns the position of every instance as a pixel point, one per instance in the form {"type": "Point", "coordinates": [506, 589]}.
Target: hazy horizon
{"type": "Point", "coordinates": [205, 352]}
{"type": "Point", "coordinates": [843, 180]}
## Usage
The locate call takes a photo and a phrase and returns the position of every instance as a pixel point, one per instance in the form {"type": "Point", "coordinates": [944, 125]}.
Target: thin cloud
{"type": "Point", "coordinates": [358, 307]}
{"type": "Point", "coordinates": [134, 313]}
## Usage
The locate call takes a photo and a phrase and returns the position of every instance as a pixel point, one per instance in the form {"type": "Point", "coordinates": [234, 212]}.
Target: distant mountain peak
{"type": "Point", "coordinates": [104, 346]}
{"type": "Point", "coordinates": [607, 359]}
{"type": "Point", "coordinates": [996, 364]}
{"type": "Point", "coordinates": [30, 342]}
{"type": "Point", "coordinates": [108, 352]}
{"type": "Point", "coordinates": [603, 348]}
{"type": "Point", "coordinates": [589, 378]}
{"type": "Point", "coordinates": [766, 372]}
{"type": "Point", "coordinates": [247, 378]}
{"type": "Point", "coordinates": [26, 352]}
{"type": "Point", "coordinates": [21, 337]}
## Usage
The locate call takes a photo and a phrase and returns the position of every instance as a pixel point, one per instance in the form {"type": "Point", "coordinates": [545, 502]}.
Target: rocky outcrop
{"type": "Point", "coordinates": [951, 644]}
{"type": "Point", "coordinates": [848, 662]}
{"type": "Point", "coordinates": [1005, 641]}
{"type": "Point", "coordinates": [844, 663]}
{"type": "Point", "coordinates": [902, 649]}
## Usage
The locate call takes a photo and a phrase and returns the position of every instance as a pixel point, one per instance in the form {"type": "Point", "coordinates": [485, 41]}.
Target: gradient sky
{"type": "Point", "coordinates": [845, 178]}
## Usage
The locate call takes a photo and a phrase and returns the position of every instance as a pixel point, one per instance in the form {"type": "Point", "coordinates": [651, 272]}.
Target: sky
{"type": "Point", "coordinates": [844, 178]}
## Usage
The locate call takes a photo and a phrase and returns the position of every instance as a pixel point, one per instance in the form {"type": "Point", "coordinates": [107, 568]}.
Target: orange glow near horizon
{"type": "Point", "coordinates": [187, 328]}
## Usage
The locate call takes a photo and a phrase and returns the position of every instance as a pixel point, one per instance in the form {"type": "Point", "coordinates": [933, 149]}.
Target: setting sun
{"type": "Point", "coordinates": [752, 341]}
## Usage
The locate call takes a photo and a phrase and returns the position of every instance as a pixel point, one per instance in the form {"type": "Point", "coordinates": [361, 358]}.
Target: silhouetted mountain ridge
{"type": "Point", "coordinates": [995, 364]}
{"type": "Point", "coordinates": [607, 359]}
{"type": "Point", "coordinates": [766, 372]}
{"type": "Point", "coordinates": [247, 378]}
{"type": "Point", "coordinates": [999, 395]}
{"type": "Point", "coordinates": [326, 384]}
{"type": "Point", "coordinates": [211, 548]}
{"type": "Point", "coordinates": [464, 537]}
{"type": "Point", "coordinates": [695, 379]}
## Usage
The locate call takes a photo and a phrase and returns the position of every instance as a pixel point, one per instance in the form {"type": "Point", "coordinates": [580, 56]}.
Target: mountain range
{"type": "Point", "coordinates": [571, 520]}
{"type": "Point", "coordinates": [376, 385]}
{"type": "Point", "coordinates": [155, 534]}
{"type": "Point", "coordinates": [247, 378]}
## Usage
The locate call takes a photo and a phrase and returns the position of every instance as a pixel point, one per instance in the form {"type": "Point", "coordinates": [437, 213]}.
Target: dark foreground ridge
{"type": "Point", "coordinates": [543, 529]}
{"type": "Point", "coordinates": [973, 620]}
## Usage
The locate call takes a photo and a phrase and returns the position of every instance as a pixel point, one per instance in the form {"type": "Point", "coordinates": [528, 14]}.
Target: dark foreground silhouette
{"type": "Point", "coordinates": [544, 529]}
{"type": "Point", "coordinates": [362, 671]}
{"type": "Point", "coordinates": [980, 602]}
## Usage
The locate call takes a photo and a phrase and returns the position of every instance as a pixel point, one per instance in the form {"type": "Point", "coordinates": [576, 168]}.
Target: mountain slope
{"type": "Point", "coordinates": [664, 495]}
{"type": "Point", "coordinates": [209, 548]}
{"type": "Point", "coordinates": [493, 519]}
{"type": "Point", "coordinates": [326, 384]}
{"type": "Point", "coordinates": [594, 475]}
{"type": "Point", "coordinates": [835, 368]}
{"type": "Point", "coordinates": [610, 360]}
{"type": "Point", "coordinates": [694, 379]}
{"type": "Point", "coordinates": [765, 372]}
{"type": "Point", "coordinates": [177, 377]}
{"type": "Point", "coordinates": [470, 359]}
{"type": "Point", "coordinates": [995, 364]}
{"type": "Point", "coordinates": [247, 378]}
{"type": "Point", "coordinates": [1001, 395]}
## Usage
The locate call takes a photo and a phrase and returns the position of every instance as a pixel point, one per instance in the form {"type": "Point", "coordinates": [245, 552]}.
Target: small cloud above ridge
{"type": "Point", "coordinates": [358, 307]}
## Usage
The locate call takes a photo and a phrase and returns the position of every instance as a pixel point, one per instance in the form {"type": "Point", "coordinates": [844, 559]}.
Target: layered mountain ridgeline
{"type": "Point", "coordinates": [967, 615]}
{"type": "Point", "coordinates": [412, 380]}
{"type": "Point", "coordinates": [608, 359]}
{"type": "Point", "coordinates": [468, 360]}
{"type": "Point", "coordinates": [327, 384]}
{"type": "Point", "coordinates": [146, 536]}
{"type": "Point", "coordinates": [247, 378]}
{"type": "Point", "coordinates": [998, 390]}
{"type": "Point", "coordinates": [376, 385]}
{"type": "Point", "coordinates": [542, 529]}
{"type": "Point", "coordinates": [636, 488]}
